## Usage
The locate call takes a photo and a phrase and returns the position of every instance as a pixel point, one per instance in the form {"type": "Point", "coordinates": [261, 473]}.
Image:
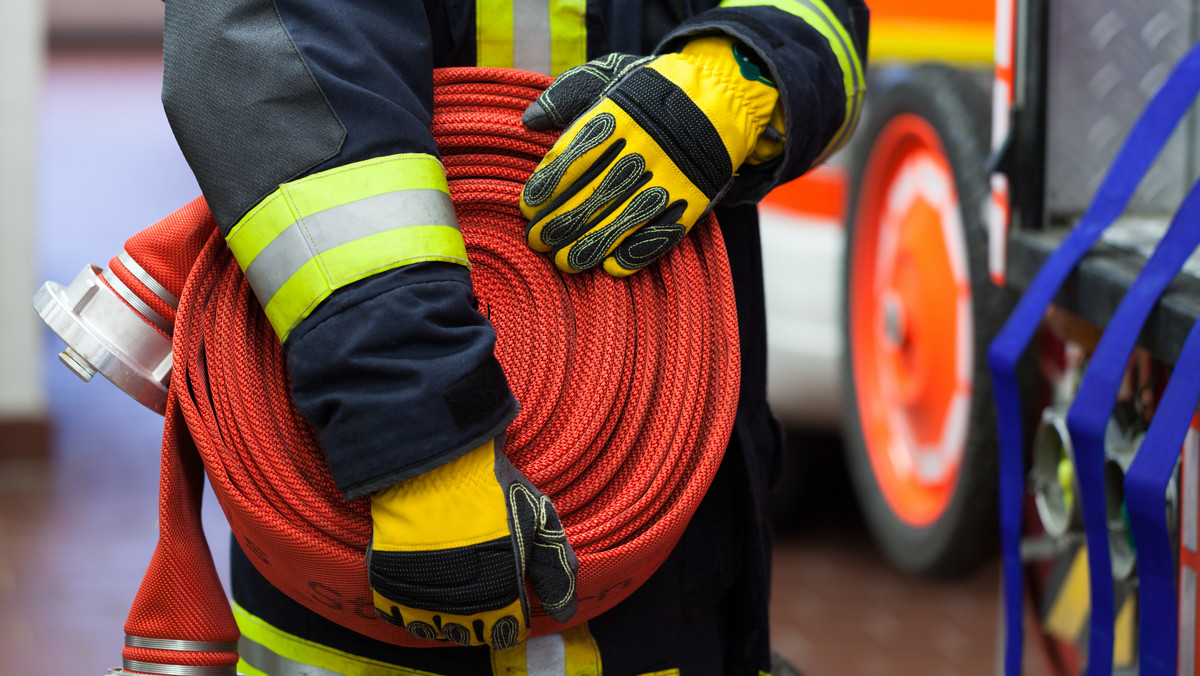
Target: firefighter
{"type": "Point", "coordinates": [306, 123]}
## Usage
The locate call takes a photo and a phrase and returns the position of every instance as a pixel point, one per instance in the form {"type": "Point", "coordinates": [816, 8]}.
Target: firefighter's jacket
{"type": "Point", "coordinates": [260, 93]}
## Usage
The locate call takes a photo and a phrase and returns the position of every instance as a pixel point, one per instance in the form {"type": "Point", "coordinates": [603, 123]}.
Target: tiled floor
{"type": "Point", "coordinates": [76, 531]}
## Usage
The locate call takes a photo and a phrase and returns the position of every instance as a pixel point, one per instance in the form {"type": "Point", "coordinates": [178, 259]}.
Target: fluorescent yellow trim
{"type": "Point", "coordinates": [568, 34]}
{"type": "Point", "coordinates": [343, 265]}
{"type": "Point", "coordinates": [310, 653]}
{"type": "Point", "coordinates": [1072, 606]}
{"type": "Point", "coordinates": [360, 180]}
{"type": "Point", "coordinates": [246, 670]}
{"type": "Point", "coordinates": [493, 34]}
{"type": "Point", "coordinates": [510, 661]}
{"type": "Point", "coordinates": [458, 504]}
{"type": "Point", "coordinates": [327, 189]}
{"type": "Point", "coordinates": [825, 22]}
{"type": "Point", "coordinates": [259, 227]}
{"type": "Point", "coordinates": [582, 653]}
{"type": "Point", "coordinates": [961, 42]}
{"type": "Point", "coordinates": [665, 672]}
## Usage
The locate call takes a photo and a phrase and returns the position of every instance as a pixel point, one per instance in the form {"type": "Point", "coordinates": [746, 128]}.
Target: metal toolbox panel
{"type": "Point", "coordinates": [1106, 59]}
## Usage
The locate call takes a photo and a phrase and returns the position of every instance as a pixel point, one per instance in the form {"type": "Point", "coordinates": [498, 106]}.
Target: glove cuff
{"type": "Point", "coordinates": [734, 92]}
{"type": "Point", "coordinates": [458, 504]}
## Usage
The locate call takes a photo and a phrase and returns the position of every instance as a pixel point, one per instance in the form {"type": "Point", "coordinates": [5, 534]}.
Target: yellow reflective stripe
{"type": "Point", "coordinates": [572, 652]}
{"type": "Point", "coordinates": [818, 15]}
{"type": "Point", "coordinates": [328, 189]}
{"type": "Point", "coordinates": [322, 232]}
{"type": "Point", "coordinates": [568, 34]}
{"type": "Point", "coordinates": [665, 672]}
{"type": "Point", "coordinates": [552, 34]}
{"type": "Point", "coordinates": [357, 260]}
{"type": "Point", "coordinates": [494, 33]}
{"type": "Point", "coordinates": [295, 656]}
{"type": "Point", "coordinates": [582, 653]}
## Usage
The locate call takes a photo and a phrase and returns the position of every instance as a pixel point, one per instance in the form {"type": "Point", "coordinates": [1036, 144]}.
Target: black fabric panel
{"type": "Point", "coordinates": [452, 28]}
{"type": "Point", "coordinates": [679, 127]}
{"type": "Point", "coordinates": [243, 105]}
{"type": "Point", "coordinates": [461, 581]}
{"type": "Point", "coordinates": [626, 22]}
{"type": "Point", "coordinates": [259, 93]}
{"type": "Point", "coordinates": [258, 597]}
{"type": "Point", "coordinates": [472, 398]}
{"type": "Point", "coordinates": [806, 71]}
{"type": "Point", "coordinates": [370, 366]}
{"type": "Point", "coordinates": [374, 62]}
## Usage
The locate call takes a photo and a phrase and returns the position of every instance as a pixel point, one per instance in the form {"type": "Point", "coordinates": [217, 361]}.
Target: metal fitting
{"type": "Point", "coordinates": [1052, 475]}
{"type": "Point", "coordinates": [106, 336]}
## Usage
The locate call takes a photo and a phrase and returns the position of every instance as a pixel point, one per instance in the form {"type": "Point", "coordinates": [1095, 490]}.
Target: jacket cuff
{"type": "Point", "coordinates": [398, 375]}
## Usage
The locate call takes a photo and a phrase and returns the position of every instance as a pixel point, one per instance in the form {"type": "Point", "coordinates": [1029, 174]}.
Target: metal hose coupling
{"type": "Point", "coordinates": [178, 657]}
{"type": "Point", "coordinates": [110, 331]}
{"type": "Point", "coordinates": [119, 321]}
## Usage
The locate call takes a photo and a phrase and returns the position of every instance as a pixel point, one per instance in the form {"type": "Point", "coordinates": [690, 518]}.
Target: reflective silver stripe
{"type": "Point", "coordinates": [325, 230]}
{"type": "Point", "coordinates": [855, 76]}
{"type": "Point", "coordinates": [270, 662]}
{"type": "Point", "coordinates": [136, 303]}
{"type": "Point", "coordinates": [1187, 621]}
{"type": "Point", "coordinates": [180, 644]}
{"type": "Point", "coordinates": [531, 36]}
{"type": "Point", "coordinates": [176, 669]}
{"type": "Point", "coordinates": [147, 281]}
{"type": "Point", "coordinates": [546, 655]}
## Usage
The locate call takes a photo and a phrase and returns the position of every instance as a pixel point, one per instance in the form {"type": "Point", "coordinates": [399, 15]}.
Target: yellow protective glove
{"type": "Point", "coordinates": [652, 143]}
{"type": "Point", "coordinates": [451, 550]}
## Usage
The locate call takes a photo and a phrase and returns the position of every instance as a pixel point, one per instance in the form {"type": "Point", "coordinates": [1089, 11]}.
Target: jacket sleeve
{"type": "Point", "coordinates": [816, 51]}
{"type": "Point", "coordinates": [306, 123]}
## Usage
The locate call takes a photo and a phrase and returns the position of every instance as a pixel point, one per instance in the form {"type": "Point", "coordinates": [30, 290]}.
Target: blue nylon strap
{"type": "Point", "coordinates": [1146, 483]}
{"type": "Point", "coordinates": [1141, 147]}
{"type": "Point", "coordinates": [1088, 416]}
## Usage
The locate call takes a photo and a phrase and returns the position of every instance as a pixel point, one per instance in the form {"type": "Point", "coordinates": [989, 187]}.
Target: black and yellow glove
{"type": "Point", "coordinates": [451, 550]}
{"type": "Point", "coordinates": [652, 143]}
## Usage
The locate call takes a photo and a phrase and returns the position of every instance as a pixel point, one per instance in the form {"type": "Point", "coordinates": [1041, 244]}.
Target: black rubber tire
{"type": "Point", "coordinates": [966, 531]}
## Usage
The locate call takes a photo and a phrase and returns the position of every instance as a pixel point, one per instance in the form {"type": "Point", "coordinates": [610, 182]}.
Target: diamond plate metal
{"type": "Point", "coordinates": [1107, 58]}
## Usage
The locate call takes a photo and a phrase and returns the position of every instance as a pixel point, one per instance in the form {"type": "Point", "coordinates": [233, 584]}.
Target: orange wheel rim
{"type": "Point", "coordinates": [911, 331]}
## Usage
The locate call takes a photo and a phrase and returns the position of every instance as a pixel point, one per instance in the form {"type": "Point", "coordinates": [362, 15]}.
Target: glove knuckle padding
{"type": "Point", "coordinates": [652, 241]}
{"type": "Point", "coordinates": [544, 182]}
{"type": "Point", "coordinates": [590, 249]}
{"type": "Point", "coordinates": [550, 563]}
{"type": "Point", "coordinates": [622, 177]}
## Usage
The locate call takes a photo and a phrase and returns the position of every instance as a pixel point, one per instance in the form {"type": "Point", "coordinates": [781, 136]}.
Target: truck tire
{"type": "Point", "coordinates": [919, 311]}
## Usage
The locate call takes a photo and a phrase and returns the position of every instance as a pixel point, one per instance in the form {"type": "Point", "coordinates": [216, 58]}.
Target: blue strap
{"type": "Point", "coordinates": [1146, 483]}
{"type": "Point", "coordinates": [1088, 416]}
{"type": "Point", "coordinates": [1141, 147]}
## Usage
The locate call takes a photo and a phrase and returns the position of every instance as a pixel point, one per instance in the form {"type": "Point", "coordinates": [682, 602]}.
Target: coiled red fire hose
{"type": "Point", "coordinates": [628, 390]}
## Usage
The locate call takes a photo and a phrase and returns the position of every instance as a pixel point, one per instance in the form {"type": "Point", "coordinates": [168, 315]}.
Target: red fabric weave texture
{"type": "Point", "coordinates": [628, 391]}
{"type": "Point", "coordinates": [167, 251]}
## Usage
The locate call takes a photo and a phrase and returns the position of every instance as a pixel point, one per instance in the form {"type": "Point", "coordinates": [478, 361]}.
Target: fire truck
{"type": "Point", "coordinates": [1011, 335]}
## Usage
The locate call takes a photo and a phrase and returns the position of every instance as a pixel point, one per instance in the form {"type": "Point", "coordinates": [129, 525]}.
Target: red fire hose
{"type": "Point", "coordinates": [628, 389]}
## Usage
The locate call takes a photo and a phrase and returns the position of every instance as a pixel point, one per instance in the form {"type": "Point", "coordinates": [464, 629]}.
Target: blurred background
{"type": "Point", "coordinates": [88, 161]}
